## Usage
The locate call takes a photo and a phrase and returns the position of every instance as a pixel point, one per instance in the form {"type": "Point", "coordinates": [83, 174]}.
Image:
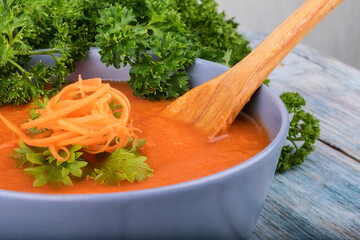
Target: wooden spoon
{"type": "Point", "coordinates": [213, 106]}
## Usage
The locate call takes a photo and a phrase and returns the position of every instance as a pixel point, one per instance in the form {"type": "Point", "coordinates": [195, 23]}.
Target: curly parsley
{"type": "Point", "coordinates": [159, 39]}
{"type": "Point", "coordinates": [215, 35]}
{"type": "Point", "coordinates": [156, 44]}
{"type": "Point", "coordinates": [303, 131]}
{"type": "Point", "coordinates": [59, 27]}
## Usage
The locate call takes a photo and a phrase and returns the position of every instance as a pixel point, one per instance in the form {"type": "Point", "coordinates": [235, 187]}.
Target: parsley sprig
{"type": "Point", "coordinates": [39, 163]}
{"type": "Point", "coordinates": [123, 164]}
{"type": "Point", "coordinates": [303, 131]}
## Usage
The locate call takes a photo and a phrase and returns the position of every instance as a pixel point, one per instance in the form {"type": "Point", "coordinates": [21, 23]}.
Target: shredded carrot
{"type": "Point", "coordinates": [80, 114]}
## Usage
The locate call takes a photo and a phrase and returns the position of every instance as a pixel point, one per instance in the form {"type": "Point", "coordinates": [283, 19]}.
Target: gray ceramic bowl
{"type": "Point", "coordinates": [225, 205]}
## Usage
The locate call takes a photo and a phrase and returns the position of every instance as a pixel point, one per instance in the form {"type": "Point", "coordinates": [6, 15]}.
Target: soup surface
{"type": "Point", "coordinates": [177, 151]}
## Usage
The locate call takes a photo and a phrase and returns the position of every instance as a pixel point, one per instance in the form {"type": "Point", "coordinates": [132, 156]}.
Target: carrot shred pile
{"type": "Point", "coordinates": [81, 114]}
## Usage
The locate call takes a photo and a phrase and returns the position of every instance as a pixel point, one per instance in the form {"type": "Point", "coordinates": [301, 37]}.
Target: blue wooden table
{"type": "Point", "coordinates": [321, 198]}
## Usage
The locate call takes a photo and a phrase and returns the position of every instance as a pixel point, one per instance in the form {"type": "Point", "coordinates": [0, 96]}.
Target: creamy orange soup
{"type": "Point", "coordinates": [177, 151]}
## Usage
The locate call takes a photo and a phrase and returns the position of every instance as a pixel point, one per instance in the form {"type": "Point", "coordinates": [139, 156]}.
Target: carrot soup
{"type": "Point", "coordinates": [176, 151]}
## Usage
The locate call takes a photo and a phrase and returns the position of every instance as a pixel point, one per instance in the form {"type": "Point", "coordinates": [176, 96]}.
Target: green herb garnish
{"type": "Point", "coordinates": [121, 165]}
{"type": "Point", "coordinates": [57, 26]}
{"type": "Point", "coordinates": [39, 163]}
{"type": "Point", "coordinates": [303, 132]}
{"type": "Point", "coordinates": [216, 36]}
{"type": "Point", "coordinates": [124, 164]}
{"type": "Point", "coordinates": [156, 44]}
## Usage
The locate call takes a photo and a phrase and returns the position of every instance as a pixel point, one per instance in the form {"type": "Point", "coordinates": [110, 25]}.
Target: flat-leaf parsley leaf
{"type": "Point", "coordinates": [123, 164]}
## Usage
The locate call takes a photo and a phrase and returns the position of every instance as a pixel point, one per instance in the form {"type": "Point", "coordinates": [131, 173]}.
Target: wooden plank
{"type": "Point", "coordinates": [317, 200]}
{"type": "Point", "coordinates": [331, 89]}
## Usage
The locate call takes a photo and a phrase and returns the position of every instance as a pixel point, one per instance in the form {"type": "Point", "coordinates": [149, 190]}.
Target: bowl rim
{"type": "Point", "coordinates": [182, 186]}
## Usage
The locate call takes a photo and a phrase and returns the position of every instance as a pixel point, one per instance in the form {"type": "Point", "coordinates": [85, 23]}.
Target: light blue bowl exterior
{"type": "Point", "coordinates": [225, 205]}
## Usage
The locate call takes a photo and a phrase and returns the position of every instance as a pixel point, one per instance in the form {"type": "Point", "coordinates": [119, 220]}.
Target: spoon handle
{"type": "Point", "coordinates": [262, 60]}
